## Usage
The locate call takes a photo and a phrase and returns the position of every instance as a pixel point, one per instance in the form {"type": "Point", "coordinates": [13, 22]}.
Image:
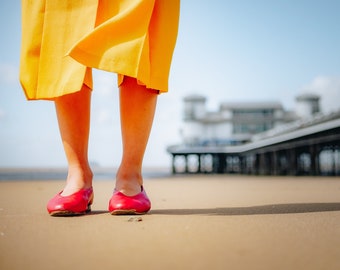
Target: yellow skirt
{"type": "Point", "coordinates": [63, 40]}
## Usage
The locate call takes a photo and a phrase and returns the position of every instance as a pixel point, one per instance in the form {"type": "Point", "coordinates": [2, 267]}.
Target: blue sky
{"type": "Point", "coordinates": [227, 50]}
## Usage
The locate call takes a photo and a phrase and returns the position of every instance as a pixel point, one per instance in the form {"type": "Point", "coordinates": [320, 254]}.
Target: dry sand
{"type": "Point", "coordinates": [197, 222]}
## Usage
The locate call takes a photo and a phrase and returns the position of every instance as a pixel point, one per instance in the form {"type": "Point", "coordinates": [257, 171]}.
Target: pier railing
{"type": "Point", "coordinates": [306, 150]}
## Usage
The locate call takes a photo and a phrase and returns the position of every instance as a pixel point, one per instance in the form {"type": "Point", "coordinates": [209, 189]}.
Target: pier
{"type": "Point", "coordinates": [299, 149]}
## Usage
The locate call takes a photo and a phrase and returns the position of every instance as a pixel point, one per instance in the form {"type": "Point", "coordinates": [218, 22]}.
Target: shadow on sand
{"type": "Point", "coordinates": [254, 210]}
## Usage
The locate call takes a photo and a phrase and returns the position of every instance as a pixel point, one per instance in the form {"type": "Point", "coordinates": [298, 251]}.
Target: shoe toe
{"type": "Point", "coordinates": [77, 203]}
{"type": "Point", "coordinates": [122, 204]}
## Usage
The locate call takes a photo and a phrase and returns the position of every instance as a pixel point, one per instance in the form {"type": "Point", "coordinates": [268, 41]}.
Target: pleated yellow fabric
{"type": "Point", "coordinates": [62, 41]}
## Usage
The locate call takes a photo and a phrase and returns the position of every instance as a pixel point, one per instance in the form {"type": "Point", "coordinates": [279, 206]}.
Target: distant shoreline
{"type": "Point", "coordinates": [101, 173]}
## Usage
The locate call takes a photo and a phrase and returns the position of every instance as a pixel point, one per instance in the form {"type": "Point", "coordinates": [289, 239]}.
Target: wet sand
{"type": "Point", "coordinates": [196, 222]}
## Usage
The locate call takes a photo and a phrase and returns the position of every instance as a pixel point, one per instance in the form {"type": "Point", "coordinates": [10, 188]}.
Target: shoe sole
{"type": "Point", "coordinates": [126, 212]}
{"type": "Point", "coordinates": [65, 213]}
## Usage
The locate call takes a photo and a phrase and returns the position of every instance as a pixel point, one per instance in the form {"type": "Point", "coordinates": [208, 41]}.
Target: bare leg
{"type": "Point", "coordinates": [73, 113]}
{"type": "Point", "coordinates": [137, 109]}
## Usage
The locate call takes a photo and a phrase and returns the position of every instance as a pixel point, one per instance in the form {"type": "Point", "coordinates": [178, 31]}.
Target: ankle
{"type": "Point", "coordinates": [129, 183]}
{"type": "Point", "coordinates": [77, 179]}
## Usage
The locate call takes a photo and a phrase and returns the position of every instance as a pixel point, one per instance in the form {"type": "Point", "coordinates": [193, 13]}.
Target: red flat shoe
{"type": "Point", "coordinates": [78, 203]}
{"type": "Point", "coordinates": [121, 204]}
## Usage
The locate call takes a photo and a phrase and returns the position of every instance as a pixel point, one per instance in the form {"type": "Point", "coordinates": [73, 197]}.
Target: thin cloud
{"type": "Point", "coordinates": [105, 83]}
{"type": "Point", "coordinates": [328, 87]}
{"type": "Point", "coordinates": [8, 73]}
{"type": "Point", "coordinates": [103, 117]}
{"type": "Point", "coordinates": [2, 114]}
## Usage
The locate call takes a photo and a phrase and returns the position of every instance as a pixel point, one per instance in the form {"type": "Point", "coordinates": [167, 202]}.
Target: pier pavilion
{"type": "Point", "coordinates": [308, 146]}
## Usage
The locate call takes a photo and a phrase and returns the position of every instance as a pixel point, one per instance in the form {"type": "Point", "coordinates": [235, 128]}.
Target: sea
{"type": "Point", "coordinates": [42, 174]}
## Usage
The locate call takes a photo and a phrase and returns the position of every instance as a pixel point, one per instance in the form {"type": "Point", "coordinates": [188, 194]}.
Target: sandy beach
{"type": "Point", "coordinates": [196, 222]}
